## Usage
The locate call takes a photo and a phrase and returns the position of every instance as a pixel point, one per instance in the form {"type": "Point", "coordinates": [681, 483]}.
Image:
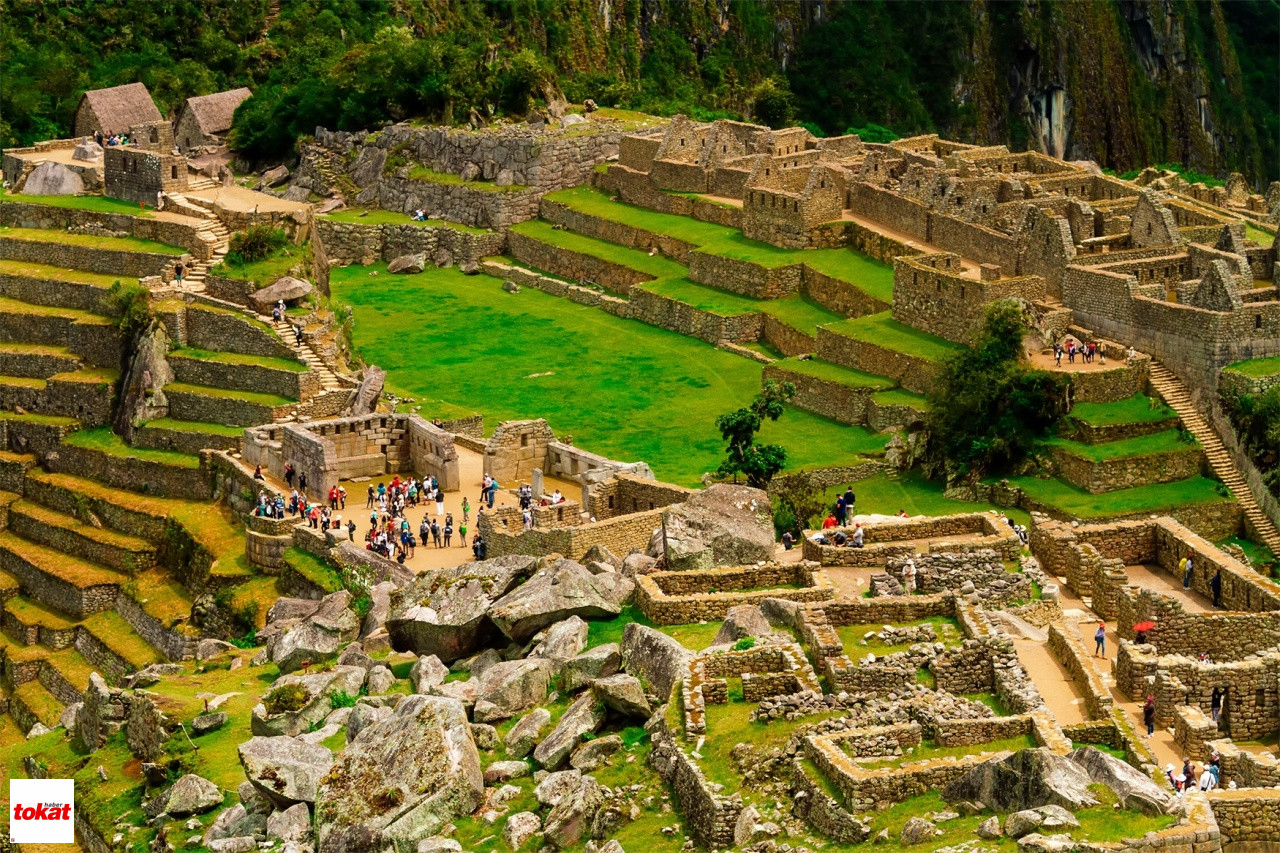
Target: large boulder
{"type": "Point", "coordinates": [623, 693]}
{"type": "Point", "coordinates": [585, 716]}
{"type": "Point", "coordinates": [283, 769]}
{"type": "Point", "coordinates": [401, 780]}
{"type": "Point", "coordinates": [555, 594]}
{"type": "Point", "coordinates": [743, 620]}
{"type": "Point", "coordinates": [653, 656]}
{"type": "Point", "coordinates": [317, 638]}
{"type": "Point", "coordinates": [1134, 789]}
{"type": "Point", "coordinates": [507, 688]}
{"type": "Point", "coordinates": [571, 817]}
{"type": "Point", "coordinates": [427, 672]}
{"type": "Point", "coordinates": [286, 288]}
{"type": "Point", "coordinates": [296, 702]}
{"type": "Point", "coordinates": [1024, 780]}
{"type": "Point", "coordinates": [598, 662]}
{"type": "Point", "coordinates": [50, 178]}
{"type": "Point", "coordinates": [408, 264]}
{"type": "Point", "coordinates": [562, 641]}
{"type": "Point", "coordinates": [191, 795]}
{"type": "Point", "coordinates": [724, 525]}
{"type": "Point", "coordinates": [292, 824]}
{"type": "Point", "coordinates": [526, 733]}
{"type": "Point", "coordinates": [445, 613]}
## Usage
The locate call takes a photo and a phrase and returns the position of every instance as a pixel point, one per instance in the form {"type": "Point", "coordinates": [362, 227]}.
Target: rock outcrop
{"type": "Point", "coordinates": [724, 525]}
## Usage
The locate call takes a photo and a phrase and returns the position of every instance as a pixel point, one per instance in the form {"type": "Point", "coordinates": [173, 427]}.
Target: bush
{"type": "Point", "coordinates": [342, 699]}
{"type": "Point", "coordinates": [362, 606]}
{"type": "Point", "coordinates": [286, 699]}
{"type": "Point", "coordinates": [873, 133]}
{"type": "Point", "coordinates": [255, 244]}
{"type": "Point", "coordinates": [987, 408]}
{"type": "Point", "coordinates": [745, 644]}
{"type": "Point", "coordinates": [1256, 418]}
{"type": "Point", "coordinates": [248, 641]}
{"type": "Point", "coordinates": [131, 303]}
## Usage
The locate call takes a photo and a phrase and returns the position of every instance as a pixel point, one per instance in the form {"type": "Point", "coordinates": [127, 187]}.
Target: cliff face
{"type": "Point", "coordinates": [1127, 83]}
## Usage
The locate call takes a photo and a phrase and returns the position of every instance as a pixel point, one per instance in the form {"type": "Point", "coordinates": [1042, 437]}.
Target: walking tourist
{"type": "Point", "coordinates": [462, 534]}
{"type": "Point", "coordinates": [1215, 704]}
{"type": "Point", "coordinates": [909, 576]}
{"type": "Point", "coordinates": [1149, 715]}
{"type": "Point", "coordinates": [1100, 641]}
{"type": "Point", "coordinates": [1188, 566]}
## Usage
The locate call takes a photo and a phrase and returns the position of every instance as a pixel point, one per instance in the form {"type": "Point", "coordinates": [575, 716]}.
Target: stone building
{"type": "Point", "coordinates": [142, 171]}
{"type": "Point", "coordinates": [205, 120]}
{"type": "Point", "coordinates": [115, 110]}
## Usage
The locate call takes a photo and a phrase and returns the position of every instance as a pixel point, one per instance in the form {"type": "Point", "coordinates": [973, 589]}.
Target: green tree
{"type": "Point", "coordinates": [743, 457]}
{"type": "Point", "coordinates": [987, 407]}
{"type": "Point", "coordinates": [1256, 418]}
{"type": "Point", "coordinates": [772, 104]}
{"type": "Point", "coordinates": [799, 502]}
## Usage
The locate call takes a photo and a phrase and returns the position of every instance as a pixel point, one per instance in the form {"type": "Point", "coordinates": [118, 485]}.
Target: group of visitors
{"type": "Point", "coordinates": [1020, 529]}
{"type": "Point", "coordinates": [111, 140]}
{"type": "Point", "coordinates": [1087, 352]}
{"type": "Point", "coordinates": [489, 490]}
{"type": "Point", "coordinates": [393, 500]}
{"type": "Point", "coordinates": [1188, 780]}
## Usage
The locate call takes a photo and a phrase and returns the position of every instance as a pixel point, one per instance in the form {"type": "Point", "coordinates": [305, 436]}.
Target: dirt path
{"type": "Point", "coordinates": [1060, 692]}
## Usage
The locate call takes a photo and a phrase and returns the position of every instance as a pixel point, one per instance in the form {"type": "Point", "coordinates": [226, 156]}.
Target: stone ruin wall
{"type": "Point", "coordinates": [19, 214]}
{"type": "Point", "coordinates": [625, 493]}
{"type": "Point", "coordinates": [679, 598]}
{"type": "Point", "coordinates": [620, 535]}
{"type": "Point", "coordinates": [354, 243]}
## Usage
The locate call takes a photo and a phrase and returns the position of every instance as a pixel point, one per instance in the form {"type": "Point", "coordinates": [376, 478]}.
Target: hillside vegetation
{"type": "Point", "coordinates": [1125, 84]}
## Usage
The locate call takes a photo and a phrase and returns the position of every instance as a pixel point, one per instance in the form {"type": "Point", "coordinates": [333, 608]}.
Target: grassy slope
{"type": "Point", "coordinates": [1257, 367]}
{"type": "Point", "coordinates": [872, 277]}
{"type": "Point", "coordinates": [265, 271]}
{"type": "Point", "coordinates": [241, 359]}
{"type": "Point", "coordinates": [124, 244]}
{"type": "Point", "coordinates": [611, 383]}
{"type": "Point", "coordinates": [358, 216]}
{"type": "Point", "coordinates": [882, 330]}
{"type": "Point", "coordinates": [1137, 409]}
{"type": "Point", "coordinates": [1161, 496]}
{"type": "Point", "coordinates": [1166, 441]}
{"type": "Point", "coordinates": [95, 203]}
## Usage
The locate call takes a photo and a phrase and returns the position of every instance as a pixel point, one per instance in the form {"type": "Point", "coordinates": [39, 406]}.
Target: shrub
{"type": "Point", "coordinates": [256, 243]}
{"type": "Point", "coordinates": [757, 462]}
{"type": "Point", "coordinates": [248, 641]}
{"type": "Point", "coordinates": [362, 606]}
{"type": "Point", "coordinates": [286, 699]}
{"type": "Point", "coordinates": [745, 644]}
{"type": "Point", "coordinates": [342, 699]}
{"type": "Point", "coordinates": [130, 302]}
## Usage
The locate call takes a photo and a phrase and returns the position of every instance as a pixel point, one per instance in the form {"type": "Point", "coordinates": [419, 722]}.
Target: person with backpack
{"type": "Point", "coordinates": [1100, 641]}
{"type": "Point", "coordinates": [1188, 566]}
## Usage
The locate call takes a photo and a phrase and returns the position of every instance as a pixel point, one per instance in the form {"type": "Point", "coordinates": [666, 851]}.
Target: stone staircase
{"type": "Point", "coordinates": [330, 382]}
{"type": "Point", "coordinates": [1179, 399]}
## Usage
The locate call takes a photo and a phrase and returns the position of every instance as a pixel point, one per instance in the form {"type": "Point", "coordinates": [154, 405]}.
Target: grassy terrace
{"type": "Point", "coordinates": [95, 203]}
{"type": "Point", "coordinates": [883, 331]}
{"type": "Point", "coordinates": [422, 173]}
{"type": "Point", "coordinates": [240, 359]}
{"type": "Point", "coordinates": [104, 440]}
{"type": "Point", "coordinates": [1167, 441]}
{"type": "Point", "coordinates": [946, 629]}
{"type": "Point", "coordinates": [43, 271]}
{"type": "Point", "coordinates": [266, 271]}
{"type": "Point", "coordinates": [918, 496]}
{"type": "Point", "coordinates": [795, 311]}
{"type": "Point", "coordinates": [1256, 367]}
{"type": "Point", "coordinates": [443, 335]}
{"type": "Point", "coordinates": [872, 277]}
{"type": "Point", "coordinates": [369, 216]}
{"type": "Point", "coordinates": [1137, 409]}
{"type": "Point", "coordinates": [207, 523]}
{"type": "Point", "coordinates": [123, 244]}
{"type": "Point", "coordinates": [14, 306]}
{"type": "Point", "coordinates": [1160, 496]}
{"type": "Point", "coordinates": [835, 373]}
{"type": "Point", "coordinates": [900, 397]}
{"type": "Point", "coordinates": [196, 426]}
{"type": "Point", "coordinates": [259, 397]}
{"type": "Point", "coordinates": [654, 265]}
{"type": "Point", "coordinates": [62, 566]}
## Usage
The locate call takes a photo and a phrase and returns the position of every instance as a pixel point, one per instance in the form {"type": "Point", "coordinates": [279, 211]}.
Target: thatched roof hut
{"type": "Point", "coordinates": [115, 110]}
{"type": "Point", "coordinates": [211, 114]}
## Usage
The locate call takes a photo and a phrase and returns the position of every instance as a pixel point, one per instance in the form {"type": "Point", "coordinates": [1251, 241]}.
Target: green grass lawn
{"type": "Point", "coordinates": [266, 271]}
{"type": "Point", "coordinates": [122, 244]}
{"type": "Point", "coordinates": [43, 271]}
{"type": "Point", "coordinates": [105, 440]}
{"type": "Point", "coordinates": [95, 203]}
{"type": "Point", "coordinates": [835, 373]}
{"type": "Point", "coordinates": [946, 629]}
{"type": "Point", "coordinates": [884, 331]}
{"type": "Point", "coordinates": [901, 397]}
{"type": "Point", "coordinates": [1166, 441]}
{"type": "Point", "coordinates": [795, 310]}
{"type": "Point", "coordinates": [653, 265]}
{"type": "Point", "coordinates": [370, 216]}
{"type": "Point", "coordinates": [918, 496]}
{"type": "Point", "coordinates": [622, 388]}
{"type": "Point", "coordinates": [1160, 496]}
{"type": "Point", "coordinates": [1138, 409]}
{"type": "Point", "coordinates": [260, 398]}
{"type": "Point", "coordinates": [1256, 367]}
{"type": "Point", "coordinates": [870, 276]}
{"type": "Point", "coordinates": [196, 426]}
{"type": "Point", "coordinates": [241, 359]}
{"type": "Point", "coordinates": [1257, 235]}
{"type": "Point", "coordinates": [695, 636]}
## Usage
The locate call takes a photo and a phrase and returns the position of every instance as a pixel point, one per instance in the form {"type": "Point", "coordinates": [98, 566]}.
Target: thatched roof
{"type": "Point", "coordinates": [213, 112]}
{"type": "Point", "coordinates": [121, 107]}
